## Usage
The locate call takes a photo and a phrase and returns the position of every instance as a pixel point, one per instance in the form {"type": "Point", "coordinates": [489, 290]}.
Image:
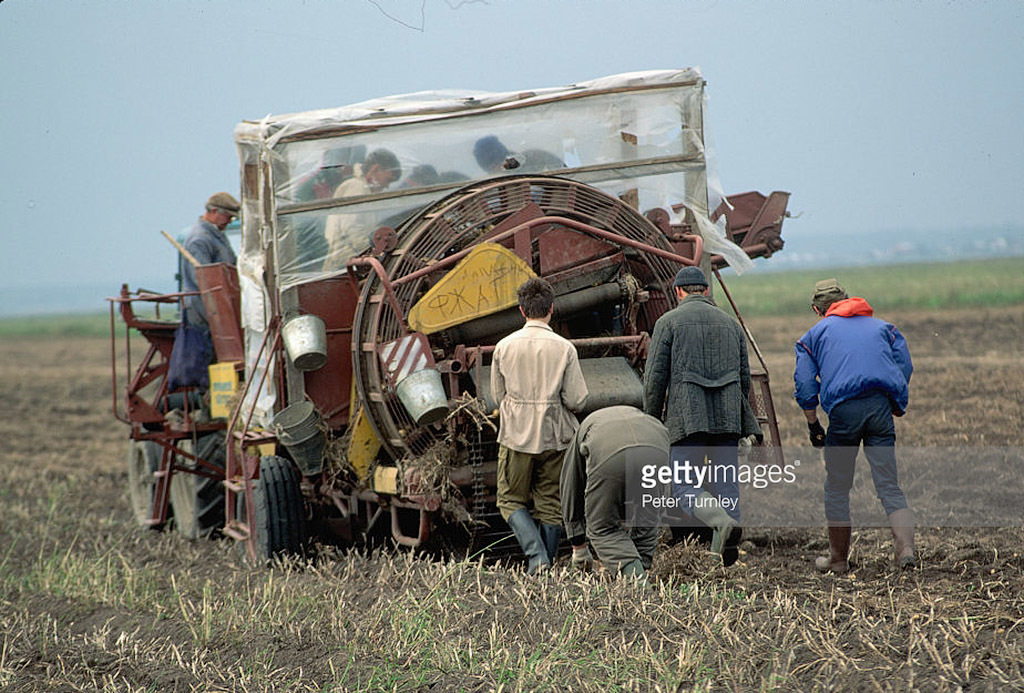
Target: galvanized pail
{"type": "Point", "coordinates": [305, 339]}
{"type": "Point", "coordinates": [422, 395]}
{"type": "Point", "coordinates": [297, 426]}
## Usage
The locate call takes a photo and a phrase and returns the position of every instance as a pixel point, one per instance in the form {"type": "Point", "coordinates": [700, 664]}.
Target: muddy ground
{"type": "Point", "coordinates": [63, 484]}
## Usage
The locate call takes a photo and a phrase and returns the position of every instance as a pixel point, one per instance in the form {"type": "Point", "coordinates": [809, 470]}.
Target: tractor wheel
{"type": "Point", "coordinates": [198, 501]}
{"type": "Point", "coordinates": [280, 525]}
{"type": "Point", "coordinates": [143, 463]}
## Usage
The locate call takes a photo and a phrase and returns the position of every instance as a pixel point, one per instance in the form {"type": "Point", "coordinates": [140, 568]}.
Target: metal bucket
{"type": "Point", "coordinates": [305, 339]}
{"type": "Point", "coordinates": [422, 395]}
{"type": "Point", "coordinates": [298, 428]}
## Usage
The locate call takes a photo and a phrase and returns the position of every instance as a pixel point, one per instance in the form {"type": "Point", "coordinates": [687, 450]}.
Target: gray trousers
{"type": "Point", "coordinates": [867, 420]}
{"type": "Point", "coordinates": [604, 509]}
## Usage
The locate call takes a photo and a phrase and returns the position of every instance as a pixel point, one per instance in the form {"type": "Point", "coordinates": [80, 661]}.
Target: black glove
{"type": "Point", "coordinates": [817, 434]}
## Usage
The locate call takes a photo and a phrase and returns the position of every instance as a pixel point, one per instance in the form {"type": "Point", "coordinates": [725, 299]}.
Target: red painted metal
{"type": "Point", "coordinates": [374, 264]}
{"type": "Point", "coordinates": [240, 473]}
{"type": "Point", "coordinates": [145, 393]}
{"type": "Point", "coordinates": [330, 387]}
{"type": "Point", "coordinates": [218, 285]}
{"type": "Point", "coordinates": [579, 226]}
{"type": "Point", "coordinates": [561, 248]}
{"type": "Point", "coordinates": [754, 222]}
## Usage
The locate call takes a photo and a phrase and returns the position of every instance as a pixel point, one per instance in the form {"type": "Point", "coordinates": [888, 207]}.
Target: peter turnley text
{"type": "Point", "coordinates": [688, 502]}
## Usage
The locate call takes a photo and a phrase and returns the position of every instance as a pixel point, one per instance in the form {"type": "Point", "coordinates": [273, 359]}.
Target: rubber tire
{"type": "Point", "coordinates": [198, 501]}
{"type": "Point", "coordinates": [143, 462]}
{"type": "Point", "coordinates": [280, 523]}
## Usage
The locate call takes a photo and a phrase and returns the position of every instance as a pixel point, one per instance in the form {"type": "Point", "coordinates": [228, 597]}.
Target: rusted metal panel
{"type": "Point", "coordinates": [218, 285]}
{"type": "Point", "coordinates": [330, 388]}
{"type": "Point", "coordinates": [562, 248]}
{"type": "Point", "coordinates": [754, 221]}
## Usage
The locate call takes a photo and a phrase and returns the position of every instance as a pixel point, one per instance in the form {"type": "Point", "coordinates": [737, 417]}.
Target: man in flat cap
{"type": "Point", "coordinates": [697, 380]}
{"type": "Point", "coordinates": [207, 243]}
{"type": "Point", "coordinates": [857, 368]}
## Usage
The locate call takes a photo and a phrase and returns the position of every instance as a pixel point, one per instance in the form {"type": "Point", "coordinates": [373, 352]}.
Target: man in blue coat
{"type": "Point", "coordinates": [207, 243]}
{"type": "Point", "coordinates": [857, 368]}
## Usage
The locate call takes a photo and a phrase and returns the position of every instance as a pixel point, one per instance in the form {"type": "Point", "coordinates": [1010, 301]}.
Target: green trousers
{"type": "Point", "coordinates": [522, 476]}
{"type": "Point", "coordinates": [604, 508]}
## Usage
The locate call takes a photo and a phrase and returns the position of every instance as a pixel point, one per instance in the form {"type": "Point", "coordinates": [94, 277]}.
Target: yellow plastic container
{"type": "Point", "coordinates": [223, 386]}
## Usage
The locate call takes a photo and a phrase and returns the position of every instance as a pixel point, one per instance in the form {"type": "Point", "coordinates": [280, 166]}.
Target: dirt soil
{"type": "Point", "coordinates": [58, 432]}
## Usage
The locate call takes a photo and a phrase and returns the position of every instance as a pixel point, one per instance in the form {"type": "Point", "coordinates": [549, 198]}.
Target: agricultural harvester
{"type": "Point", "coordinates": [350, 397]}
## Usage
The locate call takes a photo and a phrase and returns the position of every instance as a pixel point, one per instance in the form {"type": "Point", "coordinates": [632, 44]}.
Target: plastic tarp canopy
{"type": "Point", "coordinates": [312, 190]}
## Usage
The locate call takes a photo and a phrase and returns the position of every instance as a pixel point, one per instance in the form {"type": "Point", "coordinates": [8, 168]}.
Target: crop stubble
{"type": "Point", "coordinates": [89, 602]}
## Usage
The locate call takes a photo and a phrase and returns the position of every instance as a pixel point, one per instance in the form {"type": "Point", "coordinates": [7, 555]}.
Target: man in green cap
{"type": "Point", "coordinates": [857, 368]}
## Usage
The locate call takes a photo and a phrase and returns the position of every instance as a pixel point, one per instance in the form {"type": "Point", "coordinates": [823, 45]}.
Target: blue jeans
{"type": "Point", "coordinates": [867, 420]}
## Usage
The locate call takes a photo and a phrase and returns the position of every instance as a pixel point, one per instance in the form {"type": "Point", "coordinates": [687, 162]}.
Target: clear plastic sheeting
{"type": "Point", "coordinates": [317, 185]}
{"type": "Point", "coordinates": [322, 182]}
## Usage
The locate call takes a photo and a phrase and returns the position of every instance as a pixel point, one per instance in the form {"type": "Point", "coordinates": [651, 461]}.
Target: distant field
{"type": "Point", "coordinates": [80, 325]}
{"type": "Point", "coordinates": [979, 283]}
{"type": "Point", "coordinates": [891, 287]}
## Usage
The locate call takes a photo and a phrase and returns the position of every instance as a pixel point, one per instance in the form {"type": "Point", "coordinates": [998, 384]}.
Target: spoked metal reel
{"type": "Point", "coordinates": [598, 252]}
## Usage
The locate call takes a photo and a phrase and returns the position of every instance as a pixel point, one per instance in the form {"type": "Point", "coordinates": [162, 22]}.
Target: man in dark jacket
{"type": "Point", "coordinates": [857, 368]}
{"type": "Point", "coordinates": [697, 381]}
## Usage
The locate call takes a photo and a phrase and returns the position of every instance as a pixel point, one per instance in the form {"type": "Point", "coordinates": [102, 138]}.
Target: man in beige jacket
{"type": "Point", "coordinates": [537, 382]}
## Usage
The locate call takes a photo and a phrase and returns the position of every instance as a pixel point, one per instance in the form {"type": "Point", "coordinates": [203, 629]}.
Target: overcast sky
{"type": "Point", "coordinates": [117, 117]}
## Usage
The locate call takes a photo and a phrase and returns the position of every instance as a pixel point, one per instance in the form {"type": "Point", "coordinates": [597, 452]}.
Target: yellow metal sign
{"type": "Point", "coordinates": [484, 282]}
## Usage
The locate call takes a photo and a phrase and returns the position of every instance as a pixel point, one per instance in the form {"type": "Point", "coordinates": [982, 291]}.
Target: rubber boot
{"type": "Point", "coordinates": [635, 572]}
{"type": "Point", "coordinates": [551, 535]}
{"type": "Point", "coordinates": [902, 523]}
{"type": "Point", "coordinates": [839, 550]}
{"type": "Point", "coordinates": [529, 539]}
{"type": "Point", "coordinates": [727, 532]}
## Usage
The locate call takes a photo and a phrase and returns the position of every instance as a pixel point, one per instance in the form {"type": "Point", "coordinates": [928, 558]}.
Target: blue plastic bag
{"type": "Point", "coordinates": [190, 357]}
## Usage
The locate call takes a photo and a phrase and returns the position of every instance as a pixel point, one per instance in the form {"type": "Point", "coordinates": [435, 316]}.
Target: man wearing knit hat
{"type": "Point", "coordinates": [857, 368]}
{"type": "Point", "coordinates": [697, 380]}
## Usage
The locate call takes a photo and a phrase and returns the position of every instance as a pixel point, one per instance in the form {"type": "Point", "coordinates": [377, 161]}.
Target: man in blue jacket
{"type": "Point", "coordinates": [857, 368]}
{"type": "Point", "coordinates": [207, 243]}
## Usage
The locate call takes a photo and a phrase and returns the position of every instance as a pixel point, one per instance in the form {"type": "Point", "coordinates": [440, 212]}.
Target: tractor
{"type": "Point", "coordinates": [349, 401]}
